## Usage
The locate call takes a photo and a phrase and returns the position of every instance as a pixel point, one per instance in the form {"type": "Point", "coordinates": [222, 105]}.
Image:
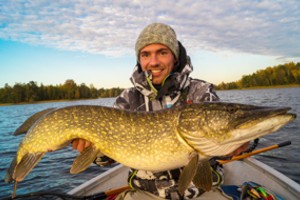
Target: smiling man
{"type": "Point", "coordinates": [158, 60]}
{"type": "Point", "coordinates": [161, 80]}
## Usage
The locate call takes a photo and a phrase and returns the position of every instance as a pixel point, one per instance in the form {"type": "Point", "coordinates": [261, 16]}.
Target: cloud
{"type": "Point", "coordinates": [111, 27]}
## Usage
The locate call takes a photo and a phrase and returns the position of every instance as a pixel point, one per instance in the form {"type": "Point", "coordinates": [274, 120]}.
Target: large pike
{"type": "Point", "coordinates": [186, 135]}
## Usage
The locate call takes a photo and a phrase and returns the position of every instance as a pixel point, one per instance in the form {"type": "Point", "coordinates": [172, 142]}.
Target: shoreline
{"type": "Point", "coordinates": [45, 101]}
{"type": "Point", "coordinates": [67, 100]}
{"type": "Point", "coordinates": [263, 87]}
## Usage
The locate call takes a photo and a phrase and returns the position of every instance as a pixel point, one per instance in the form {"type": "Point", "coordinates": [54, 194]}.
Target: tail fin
{"type": "Point", "coordinates": [10, 171]}
{"type": "Point", "coordinates": [18, 171]}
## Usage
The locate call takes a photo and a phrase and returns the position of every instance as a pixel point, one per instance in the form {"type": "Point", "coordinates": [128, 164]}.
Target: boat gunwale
{"type": "Point", "coordinates": [285, 182]}
{"type": "Point", "coordinates": [277, 177]}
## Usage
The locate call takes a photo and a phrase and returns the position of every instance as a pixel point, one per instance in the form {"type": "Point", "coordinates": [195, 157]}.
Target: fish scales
{"type": "Point", "coordinates": [138, 136]}
{"type": "Point", "coordinates": [154, 141]}
{"type": "Point", "coordinates": [140, 139]}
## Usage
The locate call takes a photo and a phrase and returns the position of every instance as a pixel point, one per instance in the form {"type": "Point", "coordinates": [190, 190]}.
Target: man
{"type": "Point", "coordinates": [161, 80]}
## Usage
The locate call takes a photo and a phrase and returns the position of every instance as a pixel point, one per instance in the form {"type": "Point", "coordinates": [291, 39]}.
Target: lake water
{"type": "Point", "coordinates": [52, 172]}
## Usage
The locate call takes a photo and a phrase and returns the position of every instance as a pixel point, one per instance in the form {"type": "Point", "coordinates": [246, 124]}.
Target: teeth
{"type": "Point", "coordinates": [156, 71]}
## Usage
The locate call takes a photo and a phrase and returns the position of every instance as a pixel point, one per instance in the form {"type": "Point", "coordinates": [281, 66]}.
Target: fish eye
{"type": "Point", "coordinates": [231, 109]}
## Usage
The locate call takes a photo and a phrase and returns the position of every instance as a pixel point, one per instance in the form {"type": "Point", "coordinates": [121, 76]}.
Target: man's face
{"type": "Point", "coordinates": [157, 59]}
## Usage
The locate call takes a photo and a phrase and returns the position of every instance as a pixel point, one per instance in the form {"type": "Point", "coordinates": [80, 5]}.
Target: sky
{"type": "Point", "coordinates": [92, 41]}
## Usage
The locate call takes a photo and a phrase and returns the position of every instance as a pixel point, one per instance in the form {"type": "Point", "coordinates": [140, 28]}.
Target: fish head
{"type": "Point", "coordinates": [217, 124]}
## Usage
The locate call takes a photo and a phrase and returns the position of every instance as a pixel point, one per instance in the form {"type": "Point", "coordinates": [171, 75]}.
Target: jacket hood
{"type": "Point", "coordinates": [176, 82]}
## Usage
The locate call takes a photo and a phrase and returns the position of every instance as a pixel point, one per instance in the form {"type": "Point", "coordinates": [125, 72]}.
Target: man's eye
{"type": "Point", "coordinates": [164, 53]}
{"type": "Point", "coordinates": [144, 55]}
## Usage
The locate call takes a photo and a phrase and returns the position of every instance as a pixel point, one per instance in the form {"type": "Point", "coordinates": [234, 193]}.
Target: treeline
{"type": "Point", "coordinates": [31, 92]}
{"type": "Point", "coordinates": [285, 74]}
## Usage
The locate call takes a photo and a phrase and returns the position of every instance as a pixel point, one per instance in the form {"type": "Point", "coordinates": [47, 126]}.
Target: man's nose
{"type": "Point", "coordinates": [154, 61]}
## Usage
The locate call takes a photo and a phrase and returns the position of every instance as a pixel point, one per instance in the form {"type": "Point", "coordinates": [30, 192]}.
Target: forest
{"type": "Point", "coordinates": [32, 92]}
{"type": "Point", "coordinates": [281, 75]}
{"type": "Point", "coordinates": [285, 74]}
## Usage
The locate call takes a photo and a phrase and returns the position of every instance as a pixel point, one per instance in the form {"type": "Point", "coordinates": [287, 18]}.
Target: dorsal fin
{"type": "Point", "coordinates": [30, 121]}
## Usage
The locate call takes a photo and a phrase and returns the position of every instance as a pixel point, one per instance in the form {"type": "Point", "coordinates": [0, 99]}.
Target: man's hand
{"type": "Point", "coordinates": [239, 150]}
{"type": "Point", "coordinates": [80, 144]}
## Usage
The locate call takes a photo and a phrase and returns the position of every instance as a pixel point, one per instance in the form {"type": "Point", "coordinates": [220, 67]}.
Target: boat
{"type": "Point", "coordinates": [235, 173]}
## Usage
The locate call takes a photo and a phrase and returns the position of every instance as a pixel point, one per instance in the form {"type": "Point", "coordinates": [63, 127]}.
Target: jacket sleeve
{"type": "Point", "coordinates": [130, 99]}
{"type": "Point", "coordinates": [122, 101]}
{"type": "Point", "coordinates": [201, 91]}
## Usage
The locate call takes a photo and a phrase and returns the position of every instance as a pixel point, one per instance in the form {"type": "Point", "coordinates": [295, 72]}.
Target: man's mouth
{"type": "Point", "coordinates": [156, 72]}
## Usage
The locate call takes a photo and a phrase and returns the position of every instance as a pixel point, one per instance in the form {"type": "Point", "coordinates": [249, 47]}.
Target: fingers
{"type": "Point", "coordinates": [239, 150]}
{"type": "Point", "coordinates": [80, 144]}
{"type": "Point", "coordinates": [245, 146]}
{"type": "Point", "coordinates": [75, 144]}
{"type": "Point", "coordinates": [87, 144]}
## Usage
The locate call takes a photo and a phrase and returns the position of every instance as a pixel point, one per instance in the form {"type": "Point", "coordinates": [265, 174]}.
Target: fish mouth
{"type": "Point", "coordinates": [262, 121]}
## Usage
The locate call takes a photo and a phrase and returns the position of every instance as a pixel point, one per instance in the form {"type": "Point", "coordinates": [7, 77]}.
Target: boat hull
{"type": "Point", "coordinates": [236, 173]}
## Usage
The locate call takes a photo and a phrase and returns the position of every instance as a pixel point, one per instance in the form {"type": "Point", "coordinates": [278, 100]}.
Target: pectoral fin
{"type": "Point", "coordinates": [203, 176]}
{"type": "Point", "coordinates": [84, 159]}
{"type": "Point", "coordinates": [30, 121]}
{"type": "Point", "coordinates": [187, 174]}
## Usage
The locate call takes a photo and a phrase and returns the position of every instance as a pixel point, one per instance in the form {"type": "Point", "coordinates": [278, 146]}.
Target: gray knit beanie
{"type": "Point", "coordinates": [157, 33]}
